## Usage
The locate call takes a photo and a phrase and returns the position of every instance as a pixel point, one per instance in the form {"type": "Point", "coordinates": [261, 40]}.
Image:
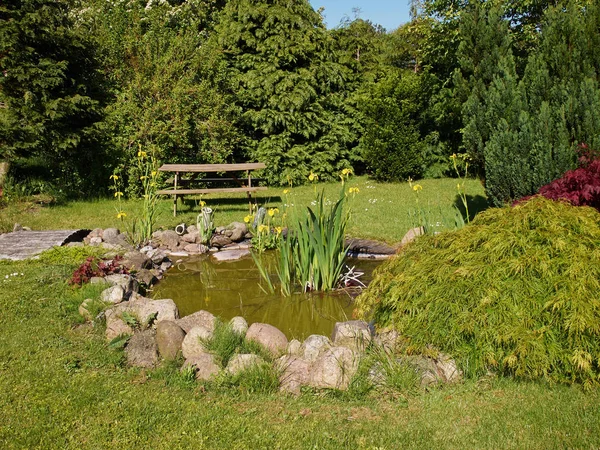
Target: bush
{"type": "Point", "coordinates": [515, 292]}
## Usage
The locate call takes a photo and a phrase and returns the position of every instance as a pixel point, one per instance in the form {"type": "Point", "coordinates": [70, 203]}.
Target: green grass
{"type": "Point", "coordinates": [62, 387]}
{"type": "Point", "coordinates": [379, 210]}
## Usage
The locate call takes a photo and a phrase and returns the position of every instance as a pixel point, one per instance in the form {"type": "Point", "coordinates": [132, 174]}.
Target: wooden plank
{"type": "Point", "coordinates": [26, 244]}
{"type": "Point", "coordinates": [209, 190]}
{"type": "Point", "coordinates": [211, 167]}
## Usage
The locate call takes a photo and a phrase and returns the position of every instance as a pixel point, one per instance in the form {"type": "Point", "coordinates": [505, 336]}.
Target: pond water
{"type": "Point", "coordinates": [229, 289]}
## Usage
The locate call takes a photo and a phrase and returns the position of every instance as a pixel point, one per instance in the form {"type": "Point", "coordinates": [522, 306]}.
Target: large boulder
{"type": "Point", "coordinates": [169, 239]}
{"type": "Point", "coordinates": [113, 295]}
{"type": "Point", "coordinates": [239, 363]}
{"type": "Point", "coordinates": [135, 260]}
{"type": "Point", "coordinates": [294, 372]}
{"type": "Point", "coordinates": [238, 231]}
{"type": "Point", "coordinates": [191, 238]}
{"type": "Point", "coordinates": [334, 369]}
{"type": "Point", "coordinates": [169, 337]}
{"type": "Point", "coordinates": [144, 310]}
{"type": "Point", "coordinates": [314, 346]}
{"type": "Point", "coordinates": [192, 345]}
{"type": "Point", "coordinates": [239, 325]}
{"type": "Point", "coordinates": [354, 334]}
{"type": "Point", "coordinates": [141, 350]}
{"type": "Point", "coordinates": [199, 318]}
{"type": "Point", "coordinates": [269, 337]}
{"type": "Point", "coordinates": [157, 256]}
{"type": "Point", "coordinates": [204, 366]}
{"type": "Point", "coordinates": [294, 347]}
{"type": "Point", "coordinates": [111, 235]}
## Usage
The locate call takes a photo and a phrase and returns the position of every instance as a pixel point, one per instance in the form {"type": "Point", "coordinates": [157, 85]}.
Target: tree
{"type": "Point", "coordinates": [50, 92]}
{"type": "Point", "coordinates": [289, 87]}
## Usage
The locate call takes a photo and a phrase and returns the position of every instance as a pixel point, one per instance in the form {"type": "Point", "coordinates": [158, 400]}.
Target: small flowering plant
{"type": "Point", "coordinates": [266, 236]}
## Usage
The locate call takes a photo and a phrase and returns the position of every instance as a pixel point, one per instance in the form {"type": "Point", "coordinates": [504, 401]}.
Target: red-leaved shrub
{"type": "Point", "coordinates": [580, 187]}
{"type": "Point", "coordinates": [94, 267]}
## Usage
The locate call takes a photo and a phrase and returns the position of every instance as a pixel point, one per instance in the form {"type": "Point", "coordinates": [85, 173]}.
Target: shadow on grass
{"type": "Point", "coordinates": [477, 204]}
{"type": "Point", "coordinates": [241, 203]}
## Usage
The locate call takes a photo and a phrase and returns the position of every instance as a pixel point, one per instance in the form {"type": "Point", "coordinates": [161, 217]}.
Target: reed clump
{"type": "Point", "coordinates": [516, 292]}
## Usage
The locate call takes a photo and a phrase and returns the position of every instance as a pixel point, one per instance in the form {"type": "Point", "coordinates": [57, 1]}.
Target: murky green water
{"type": "Point", "coordinates": [230, 289]}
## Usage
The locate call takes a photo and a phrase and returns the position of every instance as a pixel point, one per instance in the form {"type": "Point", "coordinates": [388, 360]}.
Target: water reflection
{"type": "Point", "coordinates": [230, 289]}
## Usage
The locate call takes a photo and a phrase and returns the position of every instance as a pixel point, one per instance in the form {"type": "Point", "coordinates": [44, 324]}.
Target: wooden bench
{"type": "Point", "coordinates": [245, 183]}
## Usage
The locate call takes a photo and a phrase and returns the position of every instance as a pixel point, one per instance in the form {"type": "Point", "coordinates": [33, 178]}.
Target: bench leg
{"type": "Point", "coordinates": [174, 205]}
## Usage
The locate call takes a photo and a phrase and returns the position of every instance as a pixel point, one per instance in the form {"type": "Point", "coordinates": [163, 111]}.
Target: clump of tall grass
{"type": "Point", "coordinates": [516, 292]}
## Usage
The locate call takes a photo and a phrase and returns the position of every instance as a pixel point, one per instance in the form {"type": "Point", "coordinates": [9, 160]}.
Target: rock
{"type": "Point", "coordinates": [230, 255]}
{"type": "Point", "coordinates": [191, 238]}
{"type": "Point", "coordinates": [334, 369]}
{"type": "Point", "coordinates": [239, 325]}
{"type": "Point", "coordinates": [178, 254]}
{"type": "Point", "coordinates": [95, 241]}
{"type": "Point", "coordinates": [314, 346]}
{"type": "Point", "coordinates": [169, 239]}
{"type": "Point", "coordinates": [145, 310]}
{"type": "Point", "coordinates": [191, 346]}
{"type": "Point", "coordinates": [204, 366]}
{"type": "Point", "coordinates": [238, 231]}
{"type": "Point", "coordinates": [239, 363]}
{"type": "Point", "coordinates": [169, 337]}
{"type": "Point", "coordinates": [199, 318]}
{"type": "Point", "coordinates": [195, 249]}
{"type": "Point", "coordinates": [127, 282]}
{"type": "Point", "coordinates": [425, 367]}
{"type": "Point", "coordinates": [411, 235]}
{"type": "Point", "coordinates": [293, 347]}
{"type": "Point", "coordinates": [166, 266]}
{"type": "Point", "coordinates": [244, 245]}
{"type": "Point", "coordinates": [446, 367]}
{"type": "Point", "coordinates": [354, 334]}
{"type": "Point", "coordinates": [17, 227]}
{"type": "Point", "coordinates": [387, 340]}
{"type": "Point", "coordinates": [146, 277]}
{"type": "Point", "coordinates": [268, 336]}
{"type": "Point", "coordinates": [83, 309]}
{"type": "Point", "coordinates": [294, 373]}
{"type": "Point", "coordinates": [219, 241]}
{"type": "Point", "coordinates": [157, 256]}
{"type": "Point", "coordinates": [192, 229]}
{"type": "Point", "coordinates": [135, 260]}
{"type": "Point", "coordinates": [146, 249]}
{"type": "Point", "coordinates": [360, 246]}
{"type": "Point", "coordinates": [96, 232]}
{"type": "Point", "coordinates": [219, 230]}
{"type": "Point", "coordinates": [114, 295]}
{"type": "Point", "coordinates": [111, 235]}
{"type": "Point", "coordinates": [141, 350]}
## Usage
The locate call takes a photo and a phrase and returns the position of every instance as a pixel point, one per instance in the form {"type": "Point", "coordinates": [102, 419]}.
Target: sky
{"type": "Point", "coordinates": [388, 13]}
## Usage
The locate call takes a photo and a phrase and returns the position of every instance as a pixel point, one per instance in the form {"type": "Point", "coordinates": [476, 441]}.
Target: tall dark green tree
{"type": "Point", "coordinates": [289, 86]}
{"type": "Point", "coordinates": [50, 93]}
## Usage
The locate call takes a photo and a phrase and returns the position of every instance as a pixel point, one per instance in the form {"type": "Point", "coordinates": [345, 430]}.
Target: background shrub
{"type": "Point", "coordinates": [515, 292]}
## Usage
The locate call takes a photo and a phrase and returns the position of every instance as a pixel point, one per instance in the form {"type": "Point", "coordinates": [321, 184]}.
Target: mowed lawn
{"type": "Point", "coordinates": [62, 386]}
{"type": "Point", "coordinates": [379, 210]}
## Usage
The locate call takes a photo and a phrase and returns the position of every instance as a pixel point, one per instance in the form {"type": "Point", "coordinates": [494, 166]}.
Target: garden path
{"type": "Point", "coordinates": [20, 245]}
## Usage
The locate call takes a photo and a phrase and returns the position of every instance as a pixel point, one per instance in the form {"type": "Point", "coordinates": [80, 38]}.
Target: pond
{"type": "Point", "coordinates": [229, 289]}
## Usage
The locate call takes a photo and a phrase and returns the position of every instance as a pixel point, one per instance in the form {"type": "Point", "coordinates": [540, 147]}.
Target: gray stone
{"type": "Point", "coordinates": [238, 231]}
{"type": "Point", "coordinates": [135, 260]}
{"type": "Point", "coordinates": [95, 241]}
{"type": "Point", "coordinates": [119, 279]}
{"type": "Point", "coordinates": [98, 280]}
{"type": "Point", "coordinates": [157, 256]}
{"type": "Point", "coordinates": [96, 232]}
{"type": "Point", "coordinates": [367, 246]}
{"type": "Point", "coordinates": [115, 326]}
{"type": "Point", "coordinates": [293, 347]}
{"type": "Point", "coordinates": [192, 346]}
{"type": "Point", "coordinates": [354, 334]}
{"type": "Point", "coordinates": [314, 346]}
{"type": "Point", "coordinates": [199, 318]}
{"type": "Point", "coordinates": [334, 369]}
{"type": "Point", "coordinates": [204, 366]}
{"type": "Point", "coordinates": [239, 325]}
{"type": "Point", "coordinates": [230, 255]}
{"type": "Point", "coordinates": [169, 337]}
{"type": "Point", "coordinates": [388, 340]}
{"type": "Point", "coordinates": [294, 373]}
{"type": "Point", "coordinates": [447, 368]}
{"type": "Point", "coordinates": [219, 241]}
{"type": "Point", "coordinates": [178, 254]}
{"type": "Point", "coordinates": [268, 336]}
{"type": "Point", "coordinates": [166, 266]}
{"type": "Point", "coordinates": [17, 227]}
{"type": "Point", "coordinates": [110, 235]}
{"type": "Point", "coordinates": [195, 249]}
{"type": "Point", "coordinates": [192, 229]}
{"type": "Point", "coordinates": [243, 362]}
{"type": "Point", "coordinates": [141, 350]}
{"type": "Point", "coordinates": [169, 239]}
{"type": "Point", "coordinates": [411, 235]}
{"type": "Point", "coordinates": [191, 238]}
{"type": "Point", "coordinates": [146, 277]}
{"type": "Point", "coordinates": [114, 295]}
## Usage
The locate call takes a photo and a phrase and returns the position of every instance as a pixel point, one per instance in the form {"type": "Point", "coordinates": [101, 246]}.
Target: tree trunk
{"type": "Point", "coordinates": [4, 166]}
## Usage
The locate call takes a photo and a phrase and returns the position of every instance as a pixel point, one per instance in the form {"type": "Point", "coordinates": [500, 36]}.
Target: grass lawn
{"type": "Point", "coordinates": [379, 210]}
{"type": "Point", "coordinates": [61, 386]}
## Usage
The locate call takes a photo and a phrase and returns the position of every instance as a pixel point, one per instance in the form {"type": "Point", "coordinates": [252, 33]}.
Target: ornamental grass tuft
{"type": "Point", "coordinates": [516, 292]}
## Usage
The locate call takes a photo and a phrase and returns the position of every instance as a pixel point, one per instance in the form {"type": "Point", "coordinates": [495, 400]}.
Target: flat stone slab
{"type": "Point", "coordinates": [20, 245]}
{"type": "Point", "coordinates": [357, 247]}
{"type": "Point", "coordinates": [230, 255]}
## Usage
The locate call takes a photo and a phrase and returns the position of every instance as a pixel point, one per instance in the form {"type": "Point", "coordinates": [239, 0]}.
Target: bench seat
{"type": "Point", "coordinates": [210, 190]}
